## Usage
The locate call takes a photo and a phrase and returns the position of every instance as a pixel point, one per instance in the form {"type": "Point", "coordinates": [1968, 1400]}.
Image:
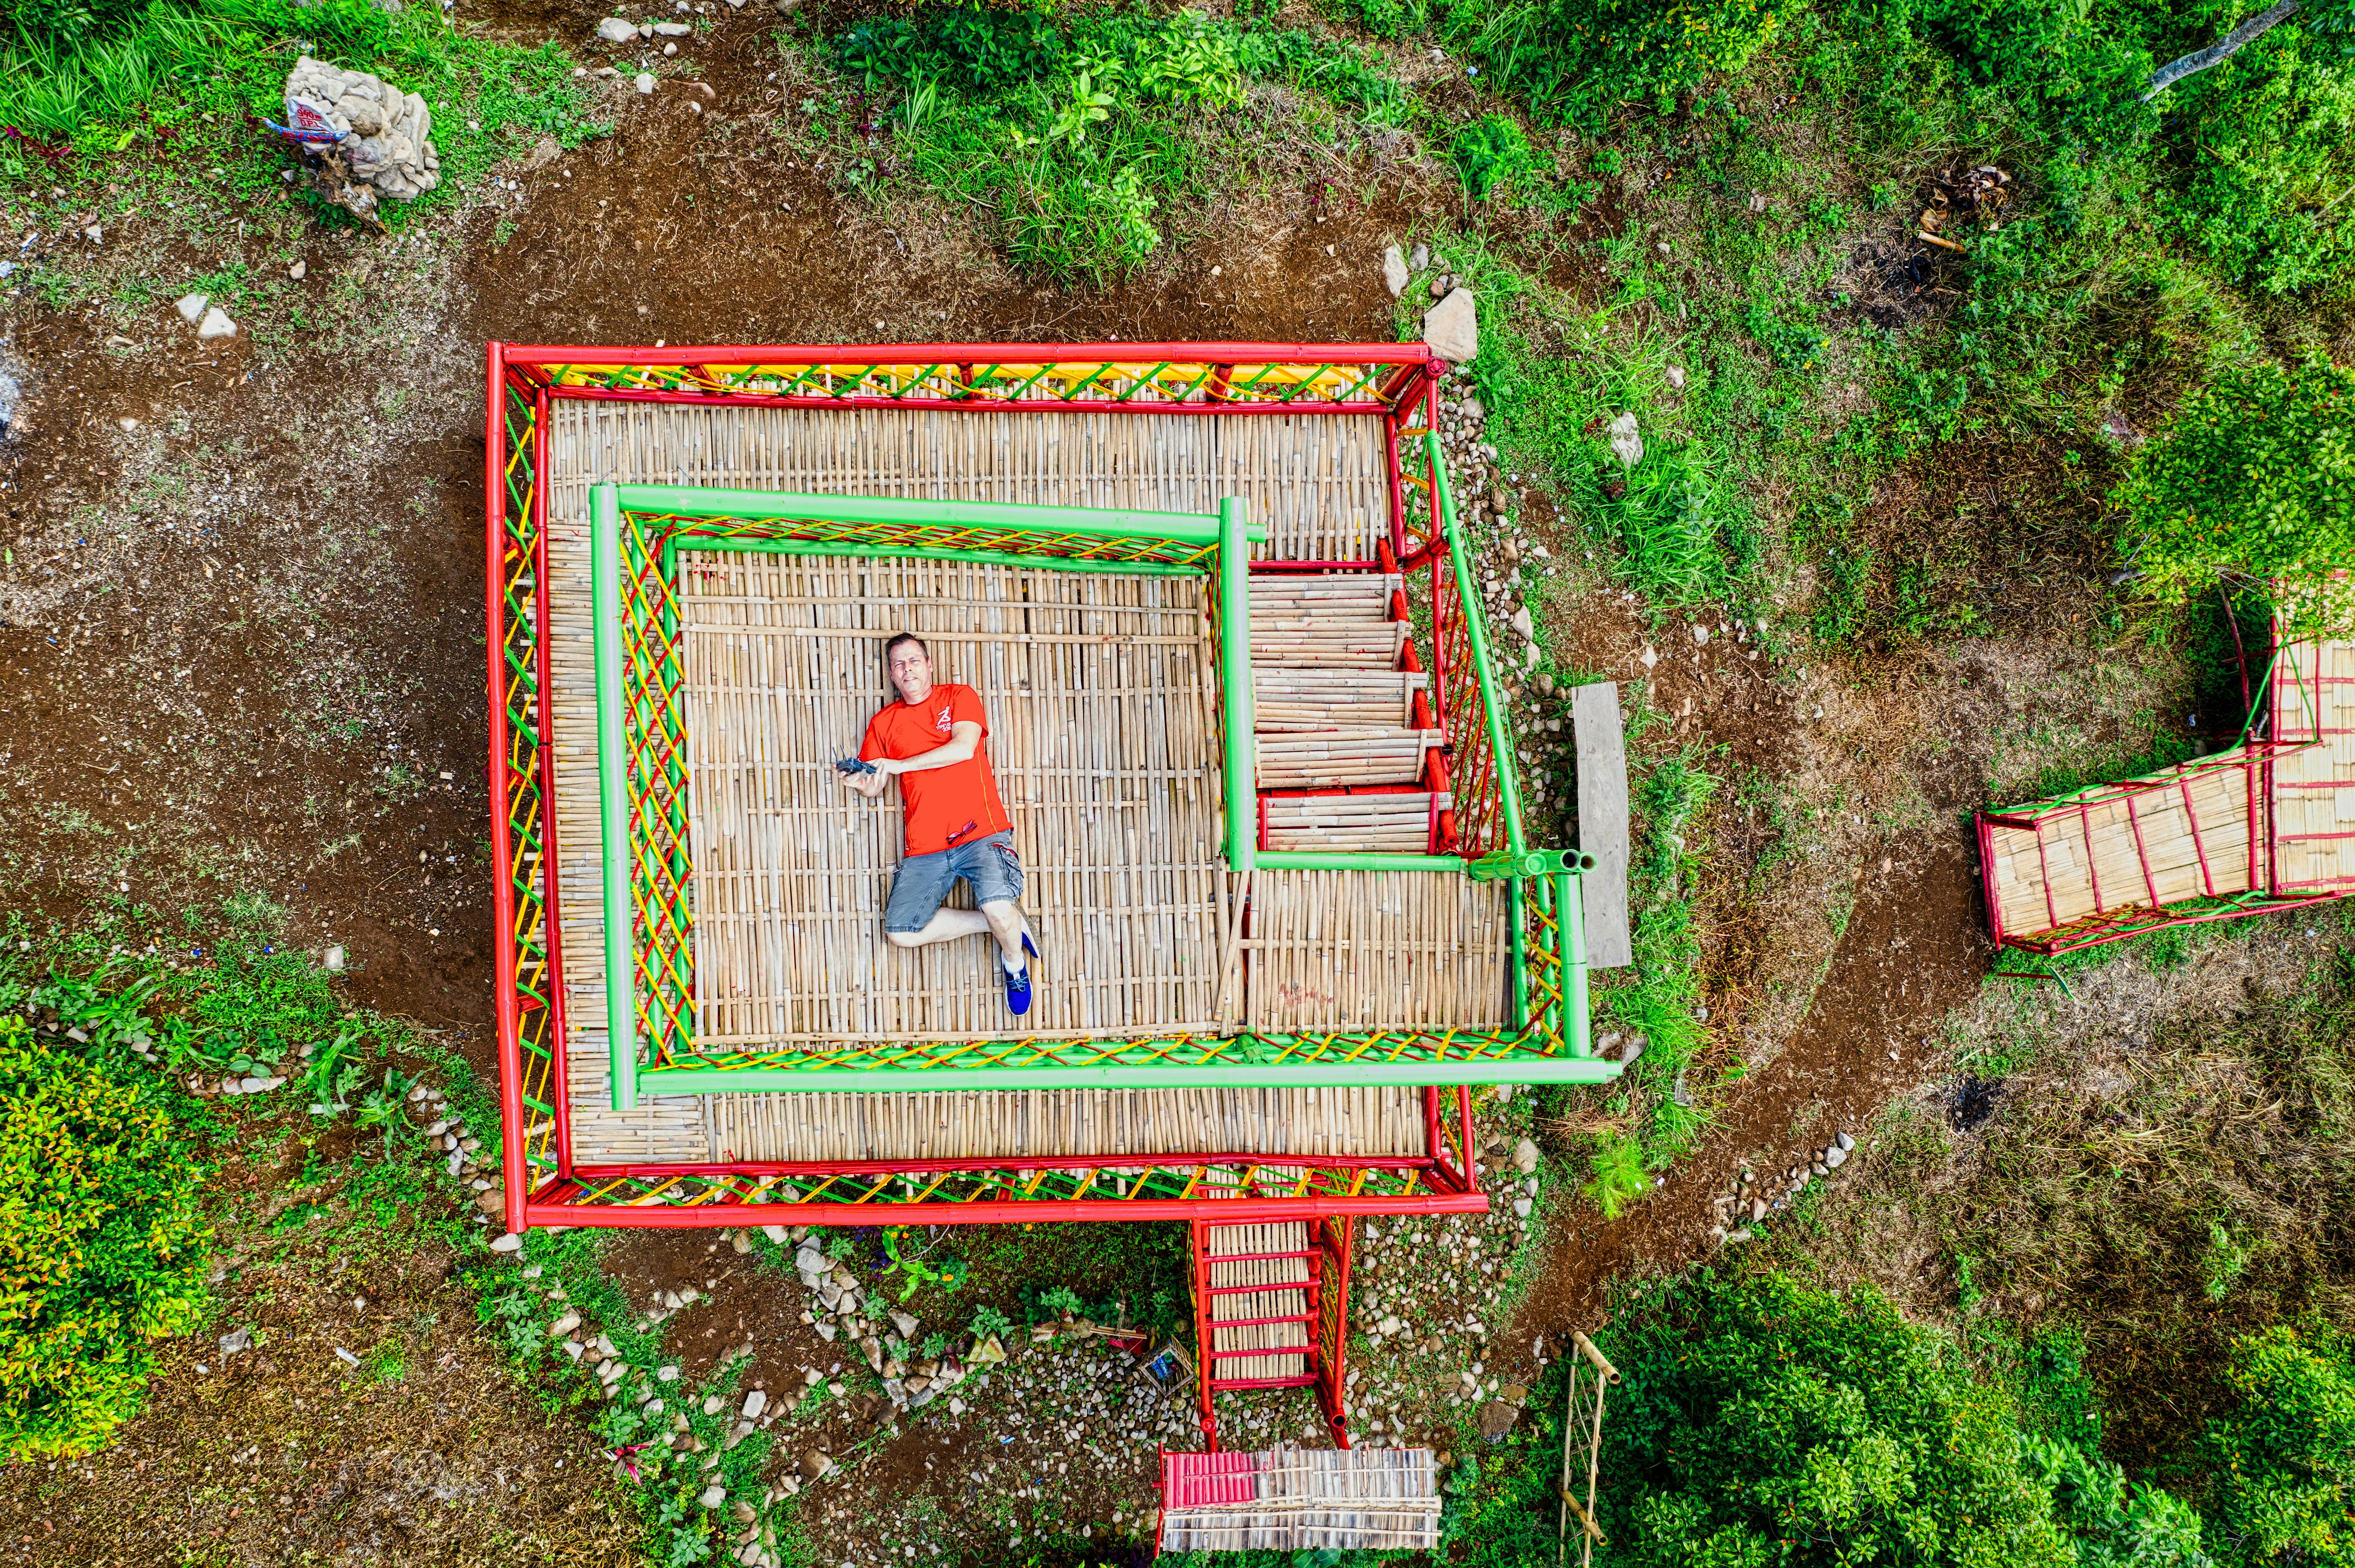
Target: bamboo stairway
{"type": "Point", "coordinates": [1346, 742]}
{"type": "Point", "coordinates": [1265, 1300]}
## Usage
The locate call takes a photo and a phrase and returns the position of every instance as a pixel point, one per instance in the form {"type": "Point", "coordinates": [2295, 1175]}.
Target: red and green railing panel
{"type": "Point", "coordinates": [527, 994]}
{"type": "Point", "coordinates": [1142, 378]}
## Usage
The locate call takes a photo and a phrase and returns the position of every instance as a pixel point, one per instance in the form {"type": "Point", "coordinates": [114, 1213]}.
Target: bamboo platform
{"type": "Point", "coordinates": [1097, 690]}
{"type": "Point", "coordinates": [1356, 950]}
{"type": "Point", "coordinates": [1318, 481]}
{"type": "Point", "coordinates": [1300, 1500]}
{"type": "Point", "coordinates": [1282, 1291]}
{"type": "Point", "coordinates": [2314, 787]}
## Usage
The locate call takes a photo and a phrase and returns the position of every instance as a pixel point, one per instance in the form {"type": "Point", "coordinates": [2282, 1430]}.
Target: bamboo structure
{"type": "Point", "coordinates": [1582, 1436]}
{"type": "Point", "coordinates": [2262, 826]}
{"type": "Point", "coordinates": [1142, 786]}
{"type": "Point", "coordinates": [1259, 1312]}
{"type": "Point", "coordinates": [1300, 1500]}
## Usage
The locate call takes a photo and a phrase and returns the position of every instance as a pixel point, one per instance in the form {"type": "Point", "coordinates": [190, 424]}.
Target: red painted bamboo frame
{"type": "Point", "coordinates": [1450, 1186]}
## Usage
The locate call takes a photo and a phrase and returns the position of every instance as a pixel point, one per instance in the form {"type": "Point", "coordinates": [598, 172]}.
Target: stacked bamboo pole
{"type": "Point", "coordinates": [1312, 1500]}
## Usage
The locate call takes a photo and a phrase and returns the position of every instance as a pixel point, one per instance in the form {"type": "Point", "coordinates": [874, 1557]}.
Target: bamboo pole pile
{"type": "Point", "coordinates": [1311, 1500]}
{"type": "Point", "coordinates": [1336, 951]}
{"type": "Point", "coordinates": [1278, 1288]}
{"type": "Point", "coordinates": [1388, 823]}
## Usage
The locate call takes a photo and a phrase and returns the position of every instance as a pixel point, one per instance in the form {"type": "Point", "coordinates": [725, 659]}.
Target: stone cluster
{"type": "Point", "coordinates": [1752, 1197]}
{"type": "Point", "coordinates": [385, 135]}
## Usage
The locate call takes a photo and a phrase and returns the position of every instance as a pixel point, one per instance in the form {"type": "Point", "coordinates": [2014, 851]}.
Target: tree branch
{"type": "Point", "coordinates": [2224, 48]}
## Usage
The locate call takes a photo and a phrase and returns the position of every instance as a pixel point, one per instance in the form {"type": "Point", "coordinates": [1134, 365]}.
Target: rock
{"type": "Point", "coordinates": [905, 1324]}
{"type": "Point", "coordinates": [713, 1496]}
{"type": "Point", "coordinates": [1452, 327]}
{"type": "Point", "coordinates": [776, 1234]}
{"type": "Point", "coordinates": [645, 83]}
{"type": "Point", "coordinates": [1521, 1207]}
{"type": "Point", "coordinates": [380, 136]}
{"type": "Point", "coordinates": [1394, 272]}
{"type": "Point", "coordinates": [1524, 623]}
{"type": "Point", "coordinates": [231, 1344]}
{"type": "Point", "coordinates": [1834, 1157]}
{"type": "Point", "coordinates": [989, 1350]}
{"type": "Point", "coordinates": [1419, 258]}
{"type": "Point", "coordinates": [826, 1330]}
{"type": "Point", "coordinates": [1846, 1143]}
{"type": "Point", "coordinates": [1677, 376]}
{"type": "Point", "coordinates": [740, 1242]}
{"type": "Point", "coordinates": [1496, 1418]}
{"type": "Point", "coordinates": [1525, 1156]}
{"type": "Point", "coordinates": [216, 323]}
{"type": "Point", "coordinates": [614, 30]}
{"type": "Point", "coordinates": [1740, 1235]}
{"type": "Point", "coordinates": [1625, 444]}
{"type": "Point", "coordinates": [508, 1243]}
{"type": "Point", "coordinates": [872, 1348]}
{"type": "Point", "coordinates": [754, 1404]}
{"type": "Point", "coordinates": [1818, 1168]}
{"type": "Point", "coordinates": [815, 1462]}
{"type": "Point", "coordinates": [1757, 1211]}
{"type": "Point", "coordinates": [191, 307]}
{"type": "Point", "coordinates": [564, 1325]}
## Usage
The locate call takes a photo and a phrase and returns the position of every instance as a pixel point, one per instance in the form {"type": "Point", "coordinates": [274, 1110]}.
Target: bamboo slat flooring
{"type": "Point", "coordinates": [1317, 481]}
{"type": "Point", "coordinates": [1322, 697]}
{"type": "Point", "coordinates": [1280, 1290]}
{"type": "Point", "coordinates": [1096, 689]}
{"type": "Point", "coordinates": [1068, 1122]}
{"type": "Point", "coordinates": [2313, 788]}
{"type": "Point", "coordinates": [2147, 843]}
{"type": "Point", "coordinates": [1339, 951]}
{"type": "Point", "coordinates": [1388, 823]}
{"type": "Point", "coordinates": [1310, 1499]}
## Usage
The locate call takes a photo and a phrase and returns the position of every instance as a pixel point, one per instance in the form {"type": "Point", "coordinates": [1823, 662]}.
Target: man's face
{"type": "Point", "coordinates": [912, 671]}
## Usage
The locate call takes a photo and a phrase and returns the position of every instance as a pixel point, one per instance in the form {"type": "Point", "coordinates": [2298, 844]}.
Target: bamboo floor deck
{"type": "Point", "coordinates": [1318, 481]}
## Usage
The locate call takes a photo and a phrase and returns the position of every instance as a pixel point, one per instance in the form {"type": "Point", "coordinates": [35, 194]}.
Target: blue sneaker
{"type": "Point", "coordinates": [1018, 987]}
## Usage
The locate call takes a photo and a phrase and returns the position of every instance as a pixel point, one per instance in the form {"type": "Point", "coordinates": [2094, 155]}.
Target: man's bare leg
{"type": "Point", "coordinates": [1006, 924]}
{"type": "Point", "coordinates": [945, 926]}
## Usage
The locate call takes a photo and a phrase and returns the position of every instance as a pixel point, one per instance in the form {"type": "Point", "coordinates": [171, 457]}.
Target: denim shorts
{"type": "Point", "coordinates": [921, 884]}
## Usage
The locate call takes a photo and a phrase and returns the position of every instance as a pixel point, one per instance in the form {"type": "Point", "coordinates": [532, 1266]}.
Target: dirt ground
{"type": "Point", "coordinates": [241, 653]}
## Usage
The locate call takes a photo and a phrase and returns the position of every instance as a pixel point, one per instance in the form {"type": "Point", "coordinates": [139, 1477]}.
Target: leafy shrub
{"type": "Point", "coordinates": [2254, 479]}
{"type": "Point", "coordinates": [100, 1245]}
{"type": "Point", "coordinates": [2285, 1458]}
{"type": "Point", "coordinates": [1762, 1422]}
{"type": "Point", "coordinates": [1384, 18]}
{"type": "Point", "coordinates": [1618, 1175]}
{"type": "Point", "coordinates": [1575, 59]}
{"type": "Point", "coordinates": [2113, 1523]}
{"type": "Point", "coordinates": [1491, 151]}
{"type": "Point", "coordinates": [2272, 127]}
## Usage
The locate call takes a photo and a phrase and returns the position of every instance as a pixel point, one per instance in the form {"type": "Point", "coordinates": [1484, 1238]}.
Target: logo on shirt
{"type": "Point", "coordinates": [942, 721]}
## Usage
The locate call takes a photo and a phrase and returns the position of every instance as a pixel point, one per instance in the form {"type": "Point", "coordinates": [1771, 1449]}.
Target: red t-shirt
{"type": "Point", "coordinates": [938, 802]}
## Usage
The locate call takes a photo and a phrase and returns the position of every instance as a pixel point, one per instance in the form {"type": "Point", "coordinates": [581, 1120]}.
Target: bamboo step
{"type": "Point", "coordinates": [1246, 1286]}
{"type": "Point", "coordinates": [1364, 645]}
{"type": "Point", "coordinates": [1362, 824]}
{"type": "Point", "coordinates": [1287, 696]}
{"type": "Point", "coordinates": [1330, 759]}
{"type": "Point", "coordinates": [1359, 596]}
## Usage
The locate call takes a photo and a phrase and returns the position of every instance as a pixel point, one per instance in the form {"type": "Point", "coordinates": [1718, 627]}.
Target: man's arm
{"type": "Point", "coordinates": [964, 739]}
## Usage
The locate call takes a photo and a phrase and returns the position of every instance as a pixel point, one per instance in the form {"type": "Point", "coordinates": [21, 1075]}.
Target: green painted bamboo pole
{"type": "Point", "coordinates": [1518, 893]}
{"type": "Point", "coordinates": [1328, 1074]}
{"type": "Point", "coordinates": [1235, 684]}
{"type": "Point", "coordinates": [614, 791]}
{"type": "Point", "coordinates": [701, 501]}
{"type": "Point", "coordinates": [1507, 788]}
{"type": "Point", "coordinates": [1346, 861]}
{"type": "Point", "coordinates": [1569, 925]}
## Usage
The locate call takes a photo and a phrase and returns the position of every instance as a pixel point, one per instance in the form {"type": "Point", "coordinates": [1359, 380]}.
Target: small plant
{"type": "Point", "coordinates": [989, 1323]}
{"type": "Point", "coordinates": [102, 1245]}
{"type": "Point", "coordinates": [909, 1260]}
{"type": "Point", "coordinates": [1062, 1300]}
{"type": "Point", "coordinates": [1491, 151]}
{"type": "Point", "coordinates": [1618, 1174]}
{"type": "Point", "coordinates": [935, 1346]}
{"type": "Point", "coordinates": [2225, 1260]}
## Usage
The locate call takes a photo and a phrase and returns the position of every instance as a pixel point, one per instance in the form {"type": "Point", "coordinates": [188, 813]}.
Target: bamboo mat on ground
{"type": "Point", "coordinates": [1342, 951]}
{"type": "Point", "coordinates": [1097, 690]}
{"type": "Point", "coordinates": [1057, 1123]}
{"type": "Point", "coordinates": [2314, 789]}
{"type": "Point", "coordinates": [1283, 1291]}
